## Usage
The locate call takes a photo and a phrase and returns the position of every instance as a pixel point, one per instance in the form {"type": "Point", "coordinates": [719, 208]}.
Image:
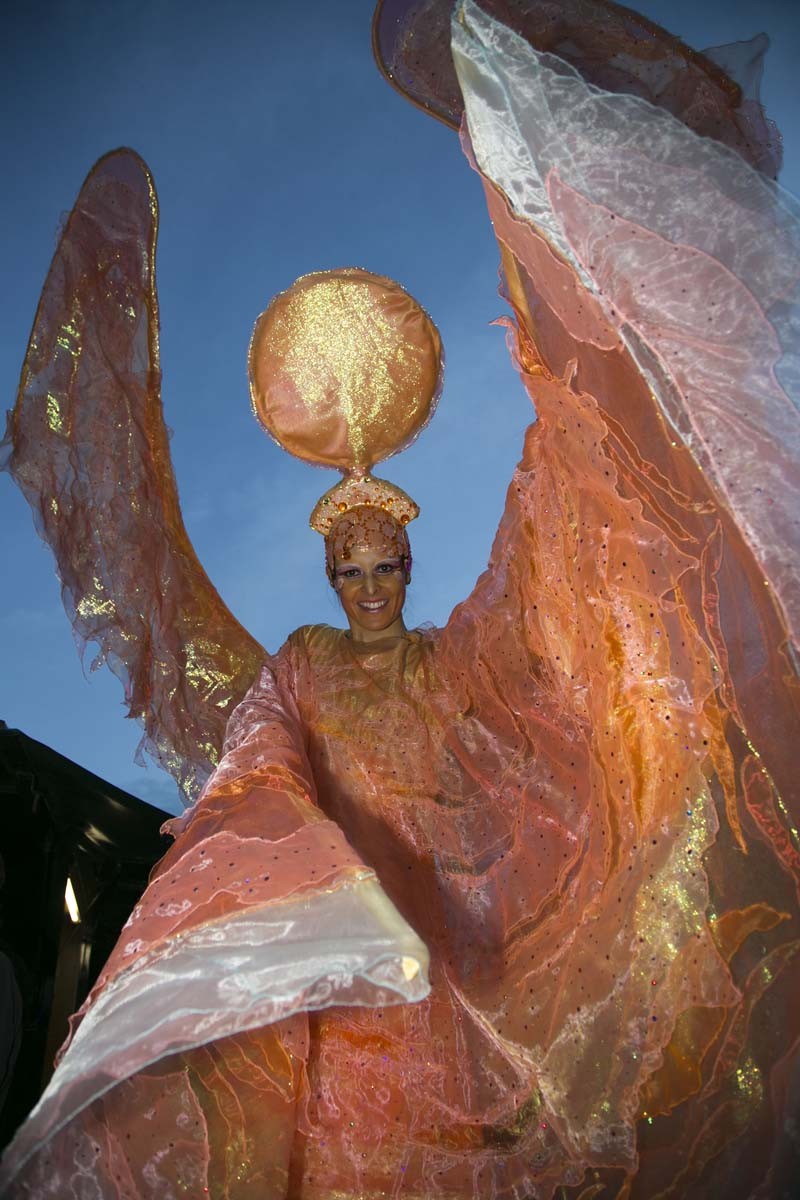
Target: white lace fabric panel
{"type": "Point", "coordinates": [693, 255]}
{"type": "Point", "coordinates": [345, 946]}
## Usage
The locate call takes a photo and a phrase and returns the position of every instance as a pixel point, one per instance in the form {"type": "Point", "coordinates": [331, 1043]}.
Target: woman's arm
{"type": "Point", "coordinates": [256, 851]}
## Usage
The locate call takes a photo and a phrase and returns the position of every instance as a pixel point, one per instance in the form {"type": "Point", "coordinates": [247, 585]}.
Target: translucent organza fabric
{"type": "Point", "coordinates": [713, 92]}
{"type": "Point", "coordinates": [558, 925]}
{"type": "Point", "coordinates": [708, 307]}
{"type": "Point", "coordinates": [261, 911]}
{"type": "Point", "coordinates": [88, 446]}
{"type": "Point", "coordinates": [580, 794]}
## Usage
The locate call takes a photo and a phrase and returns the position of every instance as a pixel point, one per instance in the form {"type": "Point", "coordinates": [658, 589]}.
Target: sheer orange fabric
{"type": "Point", "coordinates": [88, 445]}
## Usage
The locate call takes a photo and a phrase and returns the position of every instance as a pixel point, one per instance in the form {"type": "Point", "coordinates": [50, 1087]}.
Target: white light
{"type": "Point", "coordinates": [71, 902]}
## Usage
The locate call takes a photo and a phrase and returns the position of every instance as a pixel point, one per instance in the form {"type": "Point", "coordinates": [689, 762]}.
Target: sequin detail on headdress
{"type": "Point", "coordinates": [357, 491]}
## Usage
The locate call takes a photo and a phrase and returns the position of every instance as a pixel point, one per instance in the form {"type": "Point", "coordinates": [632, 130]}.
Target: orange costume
{"type": "Point", "coordinates": [510, 908]}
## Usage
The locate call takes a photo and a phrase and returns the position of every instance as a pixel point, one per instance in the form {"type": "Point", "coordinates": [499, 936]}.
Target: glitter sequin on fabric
{"type": "Point", "coordinates": [580, 794]}
{"type": "Point", "coordinates": [358, 490]}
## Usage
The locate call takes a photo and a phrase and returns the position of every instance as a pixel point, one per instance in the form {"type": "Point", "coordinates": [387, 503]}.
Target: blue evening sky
{"type": "Point", "coordinates": [277, 149]}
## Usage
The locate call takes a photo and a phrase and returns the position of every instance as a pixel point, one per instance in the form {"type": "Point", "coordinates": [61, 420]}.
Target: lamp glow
{"type": "Point", "coordinates": [71, 903]}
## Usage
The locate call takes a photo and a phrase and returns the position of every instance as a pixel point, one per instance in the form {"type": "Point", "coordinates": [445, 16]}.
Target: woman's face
{"type": "Point", "coordinates": [372, 588]}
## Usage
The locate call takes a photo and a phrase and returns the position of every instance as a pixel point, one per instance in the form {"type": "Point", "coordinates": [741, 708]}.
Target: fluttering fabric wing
{"type": "Point", "coordinates": [714, 93]}
{"type": "Point", "coordinates": [88, 446]}
{"type": "Point", "coordinates": [644, 572]}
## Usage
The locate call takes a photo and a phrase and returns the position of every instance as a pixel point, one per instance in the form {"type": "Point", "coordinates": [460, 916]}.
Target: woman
{"type": "Point", "coordinates": [571, 794]}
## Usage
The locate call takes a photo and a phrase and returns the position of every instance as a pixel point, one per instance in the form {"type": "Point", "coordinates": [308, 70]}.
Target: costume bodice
{"type": "Point", "coordinates": [427, 792]}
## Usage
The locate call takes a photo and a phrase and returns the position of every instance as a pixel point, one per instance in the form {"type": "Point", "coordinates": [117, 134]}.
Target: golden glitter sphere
{"type": "Point", "coordinates": [345, 368]}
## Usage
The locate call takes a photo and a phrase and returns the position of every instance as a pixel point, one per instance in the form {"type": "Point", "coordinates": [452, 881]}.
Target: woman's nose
{"type": "Point", "coordinates": [370, 583]}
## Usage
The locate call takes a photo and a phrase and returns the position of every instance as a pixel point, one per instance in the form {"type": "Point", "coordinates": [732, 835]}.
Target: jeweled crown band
{"type": "Point", "coordinates": [362, 491]}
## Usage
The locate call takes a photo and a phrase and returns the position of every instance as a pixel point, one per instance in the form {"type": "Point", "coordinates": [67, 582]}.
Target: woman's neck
{"type": "Point", "coordinates": [397, 629]}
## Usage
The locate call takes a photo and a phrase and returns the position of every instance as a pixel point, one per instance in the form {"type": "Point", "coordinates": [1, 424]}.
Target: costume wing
{"type": "Point", "coordinates": [714, 93]}
{"type": "Point", "coordinates": [88, 446]}
{"type": "Point", "coordinates": [642, 587]}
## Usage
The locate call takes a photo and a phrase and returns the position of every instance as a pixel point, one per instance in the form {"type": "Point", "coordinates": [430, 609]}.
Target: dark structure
{"type": "Point", "coordinates": [60, 823]}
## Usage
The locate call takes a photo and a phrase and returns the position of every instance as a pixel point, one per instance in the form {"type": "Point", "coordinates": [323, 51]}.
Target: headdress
{"type": "Point", "coordinates": [345, 371]}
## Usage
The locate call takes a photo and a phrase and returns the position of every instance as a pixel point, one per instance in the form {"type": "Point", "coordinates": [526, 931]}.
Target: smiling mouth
{"type": "Point", "coordinates": [372, 605]}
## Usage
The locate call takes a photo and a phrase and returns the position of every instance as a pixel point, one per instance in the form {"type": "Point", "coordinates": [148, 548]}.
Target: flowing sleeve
{"type": "Point", "coordinates": [648, 548]}
{"type": "Point", "coordinates": [88, 446]}
{"type": "Point", "coordinates": [259, 912]}
{"type": "Point", "coordinates": [635, 620]}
